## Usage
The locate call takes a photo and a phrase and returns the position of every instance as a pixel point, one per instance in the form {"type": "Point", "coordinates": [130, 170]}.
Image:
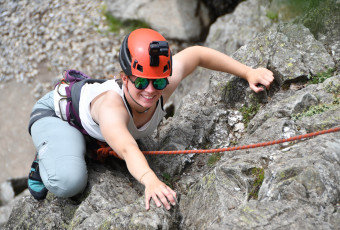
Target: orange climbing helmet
{"type": "Point", "coordinates": [145, 53]}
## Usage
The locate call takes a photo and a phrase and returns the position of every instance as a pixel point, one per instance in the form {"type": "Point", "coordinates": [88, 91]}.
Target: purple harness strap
{"type": "Point", "coordinates": [73, 76]}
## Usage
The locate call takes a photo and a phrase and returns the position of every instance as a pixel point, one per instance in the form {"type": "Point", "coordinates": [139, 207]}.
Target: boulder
{"type": "Point", "coordinates": [189, 19]}
{"type": "Point", "coordinates": [234, 30]}
{"type": "Point", "coordinates": [11, 191]}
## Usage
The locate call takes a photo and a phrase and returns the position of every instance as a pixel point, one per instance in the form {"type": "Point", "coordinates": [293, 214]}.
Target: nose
{"type": "Point", "coordinates": [150, 88]}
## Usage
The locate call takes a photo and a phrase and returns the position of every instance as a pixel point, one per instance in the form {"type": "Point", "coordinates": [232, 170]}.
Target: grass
{"type": "Point", "coordinates": [320, 15]}
{"type": "Point", "coordinates": [214, 158]}
{"type": "Point", "coordinates": [317, 109]}
{"type": "Point", "coordinates": [115, 24]}
{"type": "Point", "coordinates": [258, 174]}
{"type": "Point", "coordinates": [321, 77]}
{"type": "Point", "coordinates": [286, 10]}
{"type": "Point", "coordinates": [167, 179]}
{"type": "Point", "coordinates": [248, 112]}
{"type": "Point", "coordinates": [272, 15]}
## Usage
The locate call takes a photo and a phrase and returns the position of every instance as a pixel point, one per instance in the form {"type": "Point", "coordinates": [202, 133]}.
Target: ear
{"type": "Point", "coordinates": [123, 76]}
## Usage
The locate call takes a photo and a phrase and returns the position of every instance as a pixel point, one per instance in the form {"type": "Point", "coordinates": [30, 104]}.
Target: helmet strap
{"type": "Point", "coordinates": [137, 102]}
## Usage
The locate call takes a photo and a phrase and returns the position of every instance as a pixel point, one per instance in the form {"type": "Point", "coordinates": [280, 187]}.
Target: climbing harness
{"type": "Point", "coordinates": [74, 80]}
{"type": "Point", "coordinates": [105, 150]}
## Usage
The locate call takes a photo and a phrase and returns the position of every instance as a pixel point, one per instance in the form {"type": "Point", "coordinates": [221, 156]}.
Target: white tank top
{"type": "Point", "coordinates": [90, 91]}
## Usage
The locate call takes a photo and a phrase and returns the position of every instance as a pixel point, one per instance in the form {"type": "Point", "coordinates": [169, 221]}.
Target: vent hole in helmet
{"type": "Point", "coordinates": [134, 64]}
{"type": "Point", "coordinates": [165, 68]}
{"type": "Point", "coordinates": [140, 68]}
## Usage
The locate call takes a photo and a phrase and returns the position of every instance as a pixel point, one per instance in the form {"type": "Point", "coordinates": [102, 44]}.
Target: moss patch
{"type": "Point", "coordinates": [286, 10]}
{"type": "Point", "coordinates": [131, 24]}
{"type": "Point", "coordinates": [331, 88]}
{"type": "Point", "coordinates": [167, 179]}
{"type": "Point", "coordinates": [319, 15]}
{"type": "Point", "coordinates": [273, 15]}
{"type": "Point", "coordinates": [258, 174]}
{"type": "Point", "coordinates": [214, 158]}
{"type": "Point", "coordinates": [317, 109]}
{"type": "Point", "coordinates": [321, 77]}
{"type": "Point", "coordinates": [248, 112]}
{"type": "Point", "coordinates": [288, 173]}
{"type": "Point", "coordinates": [115, 24]}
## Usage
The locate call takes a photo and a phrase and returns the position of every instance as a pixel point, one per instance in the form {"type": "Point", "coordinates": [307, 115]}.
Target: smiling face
{"type": "Point", "coordinates": [145, 98]}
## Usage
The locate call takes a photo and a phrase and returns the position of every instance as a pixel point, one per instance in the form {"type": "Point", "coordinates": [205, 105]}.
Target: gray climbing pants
{"type": "Point", "coordinates": [61, 150]}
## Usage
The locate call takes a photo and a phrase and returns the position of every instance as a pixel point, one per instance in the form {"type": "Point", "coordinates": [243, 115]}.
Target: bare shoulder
{"type": "Point", "coordinates": [107, 103]}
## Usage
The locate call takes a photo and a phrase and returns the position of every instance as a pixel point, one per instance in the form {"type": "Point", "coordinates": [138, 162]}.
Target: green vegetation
{"type": "Point", "coordinates": [321, 77]}
{"type": "Point", "coordinates": [289, 173]}
{"type": "Point", "coordinates": [115, 24]}
{"type": "Point", "coordinates": [248, 112]}
{"type": "Point", "coordinates": [334, 89]}
{"type": "Point", "coordinates": [321, 14]}
{"type": "Point", "coordinates": [167, 179]}
{"type": "Point", "coordinates": [272, 15]}
{"type": "Point", "coordinates": [105, 225]}
{"type": "Point", "coordinates": [290, 9]}
{"type": "Point", "coordinates": [330, 88]}
{"type": "Point", "coordinates": [286, 10]}
{"type": "Point", "coordinates": [258, 174]}
{"type": "Point", "coordinates": [317, 109]}
{"type": "Point", "coordinates": [213, 158]}
{"type": "Point", "coordinates": [316, 15]}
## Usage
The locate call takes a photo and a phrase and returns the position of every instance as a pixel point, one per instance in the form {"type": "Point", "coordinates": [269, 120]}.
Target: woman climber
{"type": "Point", "coordinates": [118, 114]}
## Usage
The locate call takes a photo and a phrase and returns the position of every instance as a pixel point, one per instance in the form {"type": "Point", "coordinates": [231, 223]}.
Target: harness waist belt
{"type": "Point", "coordinates": [38, 114]}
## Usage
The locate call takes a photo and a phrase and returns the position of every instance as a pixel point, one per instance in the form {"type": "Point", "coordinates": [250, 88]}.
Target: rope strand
{"type": "Point", "coordinates": [104, 151]}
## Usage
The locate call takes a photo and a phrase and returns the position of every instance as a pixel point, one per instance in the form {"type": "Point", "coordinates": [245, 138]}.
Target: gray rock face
{"type": "Point", "coordinates": [234, 30]}
{"type": "Point", "coordinates": [110, 201]}
{"type": "Point", "coordinates": [8, 199]}
{"type": "Point", "coordinates": [289, 50]}
{"type": "Point", "coordinates": [293, 185]}
{"type": "Point", "coordinates": [227, 35]}
{"type": "Point", "coordinates": [189, 19]}
{"type": "Point", "coordinates": [301, 179]}
{"type": "Point", "coordinates": [324, 23]}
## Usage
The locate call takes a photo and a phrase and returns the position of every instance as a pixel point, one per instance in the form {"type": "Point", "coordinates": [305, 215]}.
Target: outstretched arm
{"type": "Point", "coordinates": [112, 118]}
{"type": "Point", "coordinates": [187, 60]}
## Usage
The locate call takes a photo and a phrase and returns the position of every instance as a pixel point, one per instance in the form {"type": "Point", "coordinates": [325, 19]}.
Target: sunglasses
{"type": "Point", "coordinates": [142, 83]}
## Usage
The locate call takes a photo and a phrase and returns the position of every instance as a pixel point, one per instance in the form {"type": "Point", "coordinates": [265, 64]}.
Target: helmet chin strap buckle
{"type": "Point", "coordinates": [156, 49]}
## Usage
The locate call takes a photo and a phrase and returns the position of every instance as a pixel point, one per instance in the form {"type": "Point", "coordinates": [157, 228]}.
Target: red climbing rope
{"type": "Point", "coordinates": [105, 151]}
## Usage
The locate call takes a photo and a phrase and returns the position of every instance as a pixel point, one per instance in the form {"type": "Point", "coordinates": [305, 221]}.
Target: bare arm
{"type": "Point", "coordinates": [186, 61]}
{"type": "Point", "coordinates": [110, 113]}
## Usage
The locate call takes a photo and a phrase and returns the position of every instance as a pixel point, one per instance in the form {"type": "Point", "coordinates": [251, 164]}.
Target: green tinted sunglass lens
{"type": "Point", "coordinates": [159, 83]}
{"type": "Point", "coordinates": [141, 83]}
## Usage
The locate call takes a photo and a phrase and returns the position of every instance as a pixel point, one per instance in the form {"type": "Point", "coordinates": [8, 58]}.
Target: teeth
{"type": "Point", "coordinates": [148, 97]}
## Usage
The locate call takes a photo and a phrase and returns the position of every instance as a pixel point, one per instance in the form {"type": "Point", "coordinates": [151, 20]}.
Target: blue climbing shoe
{"type": "Point", "coordinates": [35, 184]}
